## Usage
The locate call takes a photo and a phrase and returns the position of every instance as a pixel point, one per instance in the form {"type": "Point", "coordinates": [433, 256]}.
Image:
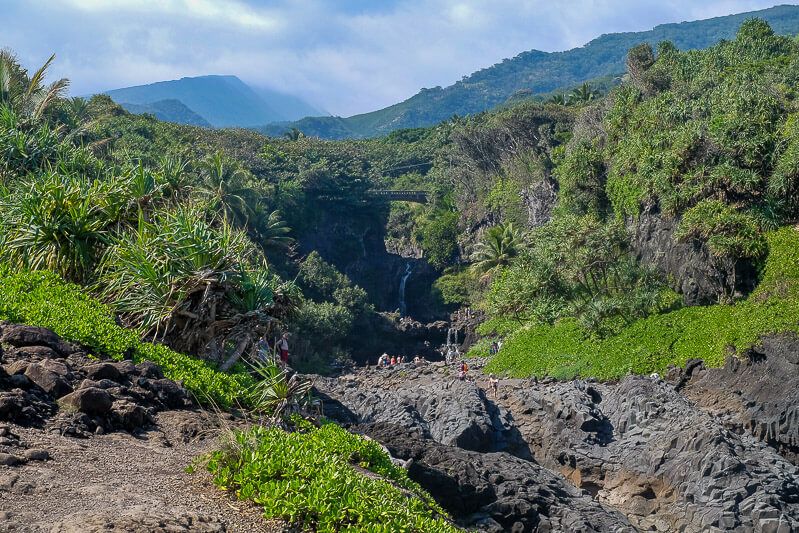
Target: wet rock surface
{"type": "Point", "coordinates": [708, 450]}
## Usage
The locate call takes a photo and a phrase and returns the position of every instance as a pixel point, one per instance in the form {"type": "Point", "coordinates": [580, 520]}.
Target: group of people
{"type": "Point", "coordinates": [386, 360]}
{"type": "Point", "coordinates": [265, 352]}
{"type": "Point", "coordinates": [495, 347]}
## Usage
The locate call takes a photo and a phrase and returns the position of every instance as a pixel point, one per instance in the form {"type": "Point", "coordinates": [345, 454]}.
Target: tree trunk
{"type": "Point", "coordinates": [240, 347]}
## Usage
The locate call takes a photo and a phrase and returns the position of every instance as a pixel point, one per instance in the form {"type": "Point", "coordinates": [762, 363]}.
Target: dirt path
{"type": "Point", "coordinates": [118, 482]}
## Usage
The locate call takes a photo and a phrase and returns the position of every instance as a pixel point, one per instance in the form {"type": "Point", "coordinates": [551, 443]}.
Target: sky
{"type": "Point", "coordinates": [344, 56]}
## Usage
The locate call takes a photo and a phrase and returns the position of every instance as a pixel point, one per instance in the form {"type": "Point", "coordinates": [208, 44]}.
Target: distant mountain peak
{"type": "Point", "coordinates": [222, 100]}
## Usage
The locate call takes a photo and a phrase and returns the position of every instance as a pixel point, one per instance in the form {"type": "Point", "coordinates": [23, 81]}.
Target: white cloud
{"type": "Point", "coordinates": [218, 11]}
{"type": "Point", "coordinates": [347, 56]}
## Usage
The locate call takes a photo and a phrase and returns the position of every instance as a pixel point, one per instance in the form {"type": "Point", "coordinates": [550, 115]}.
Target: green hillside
{"type": "Point", "coordinates": [537, 72]}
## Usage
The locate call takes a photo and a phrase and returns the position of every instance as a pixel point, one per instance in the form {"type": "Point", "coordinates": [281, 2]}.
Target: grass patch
{"type": "Point", "coordinates": [44, 299]}
{"type": "Point", "coordinates": [309, 479]}
{"type": "Point", "coordinates": [565, 350]}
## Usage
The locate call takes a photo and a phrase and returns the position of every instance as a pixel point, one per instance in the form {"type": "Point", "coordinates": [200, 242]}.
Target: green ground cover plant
{"type": "Point", "coordinates": [43, 299]}
{"type": "Point", "coordinates": [566, 350]}
{"type": "Point", "coordinates": [323, 479]}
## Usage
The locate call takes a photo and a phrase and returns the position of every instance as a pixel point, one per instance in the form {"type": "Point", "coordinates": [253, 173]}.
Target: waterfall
{"type": "Point", "coordinates": [402, 306]}
{"type": "Point", "coordinates": [451, 349]}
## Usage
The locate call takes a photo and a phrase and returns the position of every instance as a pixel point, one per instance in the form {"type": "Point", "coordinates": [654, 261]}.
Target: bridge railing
{"type": "Point", "coordinates": [400, 196]}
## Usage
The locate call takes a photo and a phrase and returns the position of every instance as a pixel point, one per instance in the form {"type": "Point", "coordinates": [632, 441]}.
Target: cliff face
{"type": "Point", "coordinates": [690, 268]}
{"type": "Point", "coordinates": [353, 239]}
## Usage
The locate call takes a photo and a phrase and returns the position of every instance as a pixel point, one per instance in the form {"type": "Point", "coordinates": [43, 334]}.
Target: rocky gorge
{"type": "Point", "coordinates": [696, 450]}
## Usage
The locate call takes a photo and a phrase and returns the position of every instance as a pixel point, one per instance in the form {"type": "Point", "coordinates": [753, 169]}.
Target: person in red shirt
{"type": "Point", "coordinates": [283, 348]}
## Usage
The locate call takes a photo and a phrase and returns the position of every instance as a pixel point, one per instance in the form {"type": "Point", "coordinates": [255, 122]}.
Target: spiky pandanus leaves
{"type": "Point", "coordinates": [191, 280]}
{"type": "Point", "coordinates": [276, 393]}
{"type": "Point", "coordinates": [58, 223]}
{"type": "Point", "coordinates": [27, 95]}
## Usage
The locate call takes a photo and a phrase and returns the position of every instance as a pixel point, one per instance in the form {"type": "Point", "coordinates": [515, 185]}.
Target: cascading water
{"type": "Point", "coordinates": [451, 349]}
{"type": "Point", "coordinates": [402, 306]}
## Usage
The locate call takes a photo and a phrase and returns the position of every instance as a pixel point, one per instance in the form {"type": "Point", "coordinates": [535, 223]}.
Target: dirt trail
{"type": "Point", "coordinates": [118, 482]}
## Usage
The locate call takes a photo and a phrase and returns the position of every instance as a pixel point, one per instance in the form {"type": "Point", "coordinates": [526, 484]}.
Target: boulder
{"type": "Point", "coordinates": [148, 369]}
{"type": "Point", "coordinates": [102, 371]}
{"type": "Point", "coordinates": [169, 393]}
{"type": "Point", "coordinates": [7, 459]}
{"type": "Point", "coordinates": [92, 401]}
{"type": "Point", "coordinates": [49, 379]}
{"type": "Point", "coordinates": [36, 455]}
{"type": "Point", "coordinates": [17, 367]}
{"type": "Point", "coordinates": [19, 335]}
{"type": "Point", "coordinates": [32, 353]}
{"type": "Point", "coordinates": [129, 416]}
{"type": "Point", "coordinates": [444, 409]}
{"type": "Point", "coordinates": [496, 488]}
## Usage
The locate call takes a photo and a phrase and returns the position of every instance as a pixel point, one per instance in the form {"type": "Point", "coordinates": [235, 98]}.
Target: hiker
{"type": "Point", "coordinates": [381, 361]}
{"type": "Point", "coordinates": [393, 360]}
{"type": "Point", "coordinates": [464, 367]}
{"type": "Point", "coordinates": [493, 384]}
{"type": "Point", "coordinates": [283, 348]}
{"type": "Point", "coordinates": [262, 349]}
{"type": "Point", "coordinates": [494, 348]}
{"type": "Point", "coordinates": [417, 361]}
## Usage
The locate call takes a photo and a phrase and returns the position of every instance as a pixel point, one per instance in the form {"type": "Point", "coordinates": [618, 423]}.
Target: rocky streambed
{"type": "Point", "coordinates": [697, 450]}
{"type": "Point", "coordinates": [88, 445]}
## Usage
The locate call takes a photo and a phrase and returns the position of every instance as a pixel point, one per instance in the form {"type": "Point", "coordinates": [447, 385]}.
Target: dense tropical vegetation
{"type": "Point", "coordinates": [189, 234]}
{"type": "Point", "coordinates": [704, 138]}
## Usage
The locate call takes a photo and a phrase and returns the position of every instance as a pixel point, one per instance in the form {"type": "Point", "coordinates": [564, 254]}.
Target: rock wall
{"type": "Point", "coordinates": [46, 382]}
{"type": "Point", "coordinates": [756, 395]}
{"type": "Point", "coordinates": [690, 267]}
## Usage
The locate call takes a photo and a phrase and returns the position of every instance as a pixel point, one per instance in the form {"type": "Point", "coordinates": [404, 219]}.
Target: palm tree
{"type": "Point", "coordinates": [583, 94]}
{"type": "Point", "coordinates": [273, 232]}
{"type": "Point", "coordinates": [224, 183]}
{"type": "Point", "coordinates": [500, 244]}
{"type": "Point", "coordinates": [27, 96]}
{"type": "Point", "coordinates": [559, 99]}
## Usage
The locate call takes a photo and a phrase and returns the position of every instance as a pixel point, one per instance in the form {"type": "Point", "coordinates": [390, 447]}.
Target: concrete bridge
{"type": "Point", "coordinates": [419, 197]}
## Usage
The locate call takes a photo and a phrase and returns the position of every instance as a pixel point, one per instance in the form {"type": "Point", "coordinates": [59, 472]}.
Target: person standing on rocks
{"type": "Point", "coordinates": [283, 348]}
{"type": "Point", "coordinates": [262, 349]}
{"type": "Point", "coordinates": [493, 384]}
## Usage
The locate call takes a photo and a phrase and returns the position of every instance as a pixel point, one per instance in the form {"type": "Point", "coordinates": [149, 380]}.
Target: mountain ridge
{"type": "Point", "coordinates": [534, 70]}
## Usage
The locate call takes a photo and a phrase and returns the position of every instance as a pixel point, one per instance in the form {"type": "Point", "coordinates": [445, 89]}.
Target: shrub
{"type": "Point", "coordinates": [43, 299]}
{"type": "Point", "coordinates": [309, 479]}
{"type": "Point", "coordinates": [651, 344]}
